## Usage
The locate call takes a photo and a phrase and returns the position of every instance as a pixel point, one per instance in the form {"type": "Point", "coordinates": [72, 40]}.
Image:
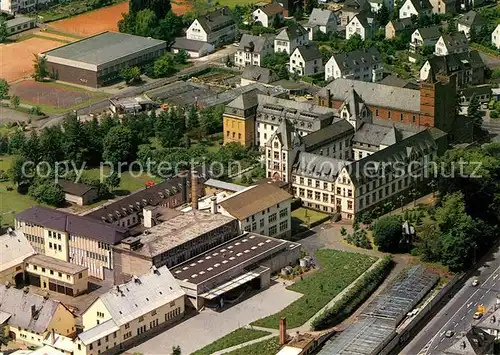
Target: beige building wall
{"type": "Point", "coordinates": [63, 322]}
{"type": "Point", "coordinates": [128, 333]}
{"type": "Point", "coordinates": [25, 336]}
{"type": "Point", "coordinates": [34, 234]}
{"type": "Point", "coordinates": [9, 275]}
{"type": "Point", "coordinates": [56, 244]}
{"type": "Point", "coordinates": [79, 282]}
{"type": "Point", "coordinates": [90, 253]}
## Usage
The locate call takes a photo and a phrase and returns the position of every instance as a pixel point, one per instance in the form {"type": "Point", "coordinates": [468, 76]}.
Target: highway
{"type": "Point", "coordinates": [457, 314]}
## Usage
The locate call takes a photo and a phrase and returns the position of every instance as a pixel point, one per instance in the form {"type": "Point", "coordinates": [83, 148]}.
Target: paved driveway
{"type": "Point", "coordinates": [208, 326]}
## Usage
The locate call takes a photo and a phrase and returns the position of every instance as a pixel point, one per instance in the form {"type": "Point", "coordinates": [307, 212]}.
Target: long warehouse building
{"type": "Point", "coordinates": [97, 60]}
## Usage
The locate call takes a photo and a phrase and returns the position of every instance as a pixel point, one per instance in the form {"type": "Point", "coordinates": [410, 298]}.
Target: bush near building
{"type": "Point", "coordinates": [361, 290]}
{"type": "Point", "coordinates": [338, 270]}
{"type": "Point", "coordinates": [266, 347]}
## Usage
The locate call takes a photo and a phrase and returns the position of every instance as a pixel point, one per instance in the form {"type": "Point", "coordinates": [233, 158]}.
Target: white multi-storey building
{"type": "Point", "coordinates": [363, 64]}
{"type": "Point", "coordinates": [306, 60]}
{"type": "Point", "coordinates": [253, 49]}
{"type": "Point", "coordinates": [361, 24]}
{"type": "Point", "coordinates": [451, 44]}
{"type": "Point", "coordinates": [216, 27]}
{"type": "Point", "coordinates": [269, 14]}
{"type": "Point", "coordinates": [290, 38]}
{"type": "Point", "coordinates": [324, 21]}
{"type": "Point", "coordinates": [415, 8]}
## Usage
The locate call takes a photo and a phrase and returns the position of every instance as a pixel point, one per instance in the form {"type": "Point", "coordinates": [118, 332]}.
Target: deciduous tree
{"type": "Point", "coordinates": [3, 30]}
{"type": "Point", "coordinates": [4, 88]}
{"type": "Point", "coordinates": [387, 233]}
{"type": "Point", "coordinates": [40, 71]}
{"type": "Point", "coordinates": [15, 101]}
{"type": "Point", "coordinates": [118, 145]}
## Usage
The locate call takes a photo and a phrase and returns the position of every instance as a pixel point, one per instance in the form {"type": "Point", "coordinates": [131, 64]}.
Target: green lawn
{"type": "Point", "coordinates": [239, 336]}
{"type": "Point", "coordinates": [338, 269]}
{"type": "Point", "coordinates": [5, 160]}
{"type": "Point", "coordinates": [308, 216]}
{"type": "Point", "coordinates": [12, 203]}
{"type": "Point", "coordinates": [128, 183]}
{"type": "Point", "coordinates": [266, 347]}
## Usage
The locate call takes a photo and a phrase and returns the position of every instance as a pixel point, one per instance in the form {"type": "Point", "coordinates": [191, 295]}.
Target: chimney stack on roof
{"type": "Point", "coordinates": [194, 190]}
{"type": "Point", "coordinates": [213, 205]}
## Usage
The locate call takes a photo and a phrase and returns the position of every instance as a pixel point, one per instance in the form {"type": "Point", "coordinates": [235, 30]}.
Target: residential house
{"type": "Point", "coordinates": [80, 194]}
{"type": "Point", "coordinates": [194, 48]}
{"type": "Point", "coordinates": [362, 64]}
{"type": "Point", "coordinates": [29, 317]}
{"type": "Point", "coordinates": [423, 37]}
{"type": "Point", "coordinates": [76, 239]}
{"type": "Point", "coordinates": [255, 74]}
{"type": "Point", "coordinates": [239, 120]}
{"type": "Point", "coordinates": [475, 342]}
{"type": "Point", "coordinates": [451, 43]}
{"type": "Point", "coordinates": [447, 7]}
{"type": "Point", "coordinates": [398, 26]}
{"type": "Point", "coordinates": [415, 8]}
{"type": "Point", "coordinates": [376, 5]}
{"type": "Point", "coordinates": [306, 60]}
{"type": "Point", "coordinates": [361, 24]}
{"type": "Point", "coordinates": [261, 208]}
{"type": "Point", "coordinates": [495, 37]}
{"type": "Point", "coordinates": [324, 21]}
{"type": "Point", "coordinates": [467, 4]}
{"type": "Point", "coordinates": [253, 49]}
{"type": "Point", "coordinates": [269, 15]}
{"type": "Point", "coordinates": [217, 27]}
{"type": "Point", "coordinates": [433, 105]}
{"type": "Point", "coordinates": [290, 38]}
{"type": "Point", "coordinates": [130, 312]}
{"type": "Point", "coordinates": [18, 6]}
{"type": "Point", "coordinates": [351, 8]}
{"type": "Point", "coordinates": [467, 67]}
{"type": "Point", "coordinates": [15, 249]}
{"type": "Point", "coordinates": [481, 92]}
{"type": "Point", "coordinates": [470, 21]}
{"type": "Point", "coordinates": [291, 6]}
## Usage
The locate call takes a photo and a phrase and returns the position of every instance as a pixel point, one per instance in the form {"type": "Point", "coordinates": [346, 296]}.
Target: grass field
{"type": "Point", "coordinates": [239, 336]}
{"type": "Point", "coordinates": [308, 216]}
{"type": "Point", "coordinates": [338, 269]}
{"type": "Point", "coordinates": [266, 347]}
{"type": "Point", "coordinates": [128, 183]}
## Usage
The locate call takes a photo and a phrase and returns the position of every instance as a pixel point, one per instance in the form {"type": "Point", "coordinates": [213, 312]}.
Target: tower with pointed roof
{"type": "Point", "coordinates": [354, 110]}
{"type": "Point", "coordinates": [281, 150]}
{"type": "Point", "coordinates": [239, 120]}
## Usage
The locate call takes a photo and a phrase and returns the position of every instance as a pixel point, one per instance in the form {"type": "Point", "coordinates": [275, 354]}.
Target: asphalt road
{"type": "Point", "coordinates": [458, 313]}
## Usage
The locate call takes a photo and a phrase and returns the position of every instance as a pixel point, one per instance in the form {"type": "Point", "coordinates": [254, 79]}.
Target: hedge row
{"type": "Point", "coordinates": [357, 294]}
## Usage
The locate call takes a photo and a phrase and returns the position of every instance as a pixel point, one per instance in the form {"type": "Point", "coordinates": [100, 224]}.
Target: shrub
{"type": "Point", "coordinates": [360, 291]}
{"type": "Point", "coordinates": [494, 114]}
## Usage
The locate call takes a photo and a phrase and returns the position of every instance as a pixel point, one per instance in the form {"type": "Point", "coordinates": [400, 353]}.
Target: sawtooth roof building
{"type": "Point", "coordinates": [97, 60]}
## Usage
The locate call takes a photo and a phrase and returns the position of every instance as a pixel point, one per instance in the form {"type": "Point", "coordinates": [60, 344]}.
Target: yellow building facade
{"type": "Point", "coordinates": [239, 120]}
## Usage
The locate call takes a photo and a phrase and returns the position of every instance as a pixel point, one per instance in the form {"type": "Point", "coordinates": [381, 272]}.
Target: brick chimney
{"type": "Point", "coordinates": [194, 190]}
{"type": "Point", "coordinates": [282, 331]}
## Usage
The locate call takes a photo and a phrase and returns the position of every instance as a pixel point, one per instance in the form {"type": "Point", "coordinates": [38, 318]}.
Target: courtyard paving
{"type": "Point", "coordinates": [208, 326]}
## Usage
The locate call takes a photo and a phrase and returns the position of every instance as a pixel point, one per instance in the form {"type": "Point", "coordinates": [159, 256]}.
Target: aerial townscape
{"type": "Point", "coordinates": [283, 177]}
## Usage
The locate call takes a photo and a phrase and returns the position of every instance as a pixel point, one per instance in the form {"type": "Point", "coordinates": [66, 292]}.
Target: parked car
{"type": "Point", "coordinates": [449, 333]}
{"type": "Point", "coordinates": [475, 282]}
{"type": "Point", "coordinates": [477, 315]}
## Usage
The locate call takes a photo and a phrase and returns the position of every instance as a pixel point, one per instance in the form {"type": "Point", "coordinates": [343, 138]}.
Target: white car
{"type": "Point", "coordinates": [449, 333]}
{"type": "Point", "coordinates": [475, 282]}
{"type": "Point", "coordinates": [477, 315]}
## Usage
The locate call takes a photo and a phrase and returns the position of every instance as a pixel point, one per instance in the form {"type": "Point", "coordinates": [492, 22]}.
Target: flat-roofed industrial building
{"type": "Point", "coordinates": [97, 60]}
{"type": "Point", "coordinates": [224, 273]}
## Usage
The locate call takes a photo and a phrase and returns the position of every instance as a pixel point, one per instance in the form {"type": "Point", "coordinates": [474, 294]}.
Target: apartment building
{"type": "Point", "coordinates": [123, 316]}
{"type": "Point", "coordinates": [451, 44]}
{"type": "Point", "coordinates": [21, 6]}
{"type": "Point", "coordinates": [363, 64]}
{"type": "Point", "coordinates": [56, 275]}
{"type": "Point", "coordinates": [28, 317]}
{"type": "Point", "coordinates": [253, 49]}
{"type": "Point", "coordinates": [71, 238]}
{"type": "Point", "coordinates": [415, 8]}
{"type": "Point", "coordinates": [444, 6]}
{"type": "Point", "coordinates": [15, 249]}
{"type": "Point", "coordinates": [467, 67]}
{"type": "Point", "coordinates": [264, 209]}
{"type": "Point", "coordinates": [269, 14]}
{"type": "Point", "coordinates": [290, 38]}
{"type": "Point", "coordinates": [306, 60]}
{"type": "Point", "coordinates": [217, 27]}
{"type": "Point", "coordinates": [433, 105]}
